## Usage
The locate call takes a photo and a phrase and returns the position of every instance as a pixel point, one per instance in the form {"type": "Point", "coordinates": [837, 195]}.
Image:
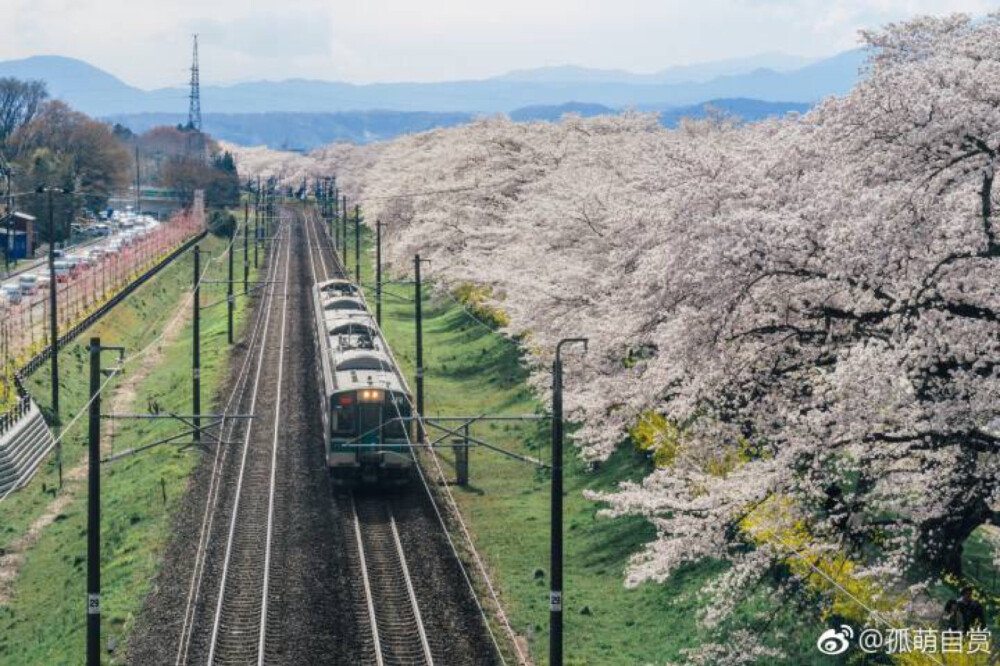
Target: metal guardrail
{"type": "Point", "coordinates": [16, 411]}
{"type": "Point", "coordinates": [78, 328]}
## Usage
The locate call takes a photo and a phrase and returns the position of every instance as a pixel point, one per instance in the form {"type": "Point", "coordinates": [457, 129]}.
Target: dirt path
{"type": "Point", "coordinates": [12, 559]}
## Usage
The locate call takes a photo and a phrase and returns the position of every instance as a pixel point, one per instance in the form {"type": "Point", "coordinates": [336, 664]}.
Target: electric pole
{"type": "Point", "coordinates": [138, 204]}
{"type": "Point", "coordinates": [94, 509]}
{"type": "Point", "coordinates": [246, 241]}
{"type": "Point", "coordinates": [229, 289]}
{"type": "Point", "coordinates": [196, 348]}
{"type": "Point", "coordinates": [419, 370]}
{"type": "Point", "coordinates": [378, 273]}
{"type": "Point", "coordinates": [357, 244]}
{"type": "Point", "coordinates": [556, 553]}
{"type": "Point", "coordinates": [343, 232]}
{"type": "Point", "coordinates": [54, 332]}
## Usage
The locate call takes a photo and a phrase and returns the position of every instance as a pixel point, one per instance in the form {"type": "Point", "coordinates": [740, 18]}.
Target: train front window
{"type": "Point", "coordinates": [394, 411]}
{"type": "Point", "coordinates": [345, 420]}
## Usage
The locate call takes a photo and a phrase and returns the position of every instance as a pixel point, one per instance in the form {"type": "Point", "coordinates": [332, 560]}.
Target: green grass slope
{"type": "Point", "coordinates": [45, 622]}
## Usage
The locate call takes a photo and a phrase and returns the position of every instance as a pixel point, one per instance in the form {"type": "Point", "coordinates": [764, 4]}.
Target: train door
{"type": "Point", "coordinates": [370, 415]}
{"type": "Point", "coordinates": [371, 422]}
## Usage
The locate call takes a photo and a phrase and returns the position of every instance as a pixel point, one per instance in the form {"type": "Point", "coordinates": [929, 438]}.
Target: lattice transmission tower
{"type": "Point", "coordinates": [194, 102]}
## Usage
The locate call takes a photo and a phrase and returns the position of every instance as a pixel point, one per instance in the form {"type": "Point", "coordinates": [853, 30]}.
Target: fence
{"type": "Point", "coordinates": [83, 298]}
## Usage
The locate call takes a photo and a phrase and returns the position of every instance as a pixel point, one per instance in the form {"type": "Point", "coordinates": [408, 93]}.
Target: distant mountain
{"type": "Point", "coordinates": [555, 112]}
{"type": "Point", "coordinates": [98, 93]}
{"type": "Point", "coordinates": [83, 86]}
{"type": "Point", "coordinates": [301, 131]}
{"type": "Point", "coordinates": [748, 110]}
{"type": "Point", "coordinates": [701, 72]}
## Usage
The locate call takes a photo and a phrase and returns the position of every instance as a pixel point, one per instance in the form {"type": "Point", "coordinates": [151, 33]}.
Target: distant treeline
{"type": "Point", "coordinates": [302, 131]}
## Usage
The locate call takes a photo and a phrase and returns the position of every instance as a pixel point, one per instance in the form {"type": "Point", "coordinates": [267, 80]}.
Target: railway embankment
{"type": "Point", "coordinates": [140, 494]}
{"type": "Point", "coordinates": [472, 370]}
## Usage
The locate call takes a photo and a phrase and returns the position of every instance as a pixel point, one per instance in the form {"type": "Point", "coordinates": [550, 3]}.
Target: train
{"type": "Point", "coordinates": [366, 401]}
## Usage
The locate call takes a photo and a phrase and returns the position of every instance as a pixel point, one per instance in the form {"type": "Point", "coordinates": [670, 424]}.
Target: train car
{"type": "Point", "coordinates": [366, 403]}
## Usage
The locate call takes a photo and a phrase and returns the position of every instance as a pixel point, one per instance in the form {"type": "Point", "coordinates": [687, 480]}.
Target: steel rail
{"type": "Point", "coordinates": [369, 601]}
{"type": "Point", "coordinates": [215, 484]}
{"type": "Point", "coordinates": [274, 458]}
{"type": "Point", "coordinates": [234, 518]}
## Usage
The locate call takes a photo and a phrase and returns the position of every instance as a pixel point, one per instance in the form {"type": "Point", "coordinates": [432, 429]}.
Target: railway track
{"type": "Point", "coordinates": [275, 567]}
{"type": "Point", "coordinates": [240, 622]}
{"type": "Point", "coordinates": [241, 397]}
{"type": "Point", "coordinates": [399, 636]}
{"type": "Point", "coordinates": [395, 627]}
{"type": "Point", "coordinates": [233, 629]}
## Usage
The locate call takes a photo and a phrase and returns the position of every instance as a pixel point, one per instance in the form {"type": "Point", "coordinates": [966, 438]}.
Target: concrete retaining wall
{"type": "Point", "coordinates": [22, 449]}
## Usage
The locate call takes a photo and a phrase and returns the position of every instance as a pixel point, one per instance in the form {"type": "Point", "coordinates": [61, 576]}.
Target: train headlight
{"type": "Point", "coordinates": [370, 395]}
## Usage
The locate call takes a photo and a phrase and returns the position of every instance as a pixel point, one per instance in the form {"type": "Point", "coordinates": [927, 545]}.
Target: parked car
{"type": "Point", "coordinates": [77, 263]}
{"type": "Point", "coordinates": [11, 293]}
{"type": "Point", "coordinates": [63, 271]}
{"type": "Point", "coordinates": [43, 280]}
{"type": "Point", "coordinates": [28, 283]}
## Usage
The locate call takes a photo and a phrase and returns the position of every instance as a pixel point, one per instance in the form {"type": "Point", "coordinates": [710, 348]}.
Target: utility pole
{"type": "Point", "coordinates": [256, 238]}
{"type": "Point", "coordinates": [556, 553]}
{"type": "Point", "coordinates": [9, 217]}
{"type": "Point", "coordinates": [138, 205]}
{"type": "Point", "coordinates": [54, 333]}
{"type": "Point", "coordinates": [229, 290]}
{"type": "Point", "coordinates": [335, 216]}
{"type": "Point", "coordinates": [94, 510]}
{"type": "Point", "coordinates": [335, 222]}
{"type": "Point", "coordinates": [332, 201]}
{"type": "Point", "coordinates": [196, 348]}
{"type": "Point", "coordinates": [343, 231]}
{"type": "Point", "coordinates": [246, 242]}
{"type": "Point", "coordinates": [419, 319]}
{"type": "Point", "coordinates": [357, 244]}
{"type": "Point", "coordinates": [378, 272]}
{"type": "Point", "coordinates": [94, 502]}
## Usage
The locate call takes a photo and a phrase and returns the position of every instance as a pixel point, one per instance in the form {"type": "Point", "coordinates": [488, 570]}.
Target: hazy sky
{"type": "Point", "coordinates": [147, 42]}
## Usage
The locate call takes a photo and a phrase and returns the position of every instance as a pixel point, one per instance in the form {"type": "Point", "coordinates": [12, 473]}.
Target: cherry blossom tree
{"type": "Point", "coordinates": [810, 302]}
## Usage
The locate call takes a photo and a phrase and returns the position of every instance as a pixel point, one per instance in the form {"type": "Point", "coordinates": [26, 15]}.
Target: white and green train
{"type": "Point", "coordinates": [366, 402]}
